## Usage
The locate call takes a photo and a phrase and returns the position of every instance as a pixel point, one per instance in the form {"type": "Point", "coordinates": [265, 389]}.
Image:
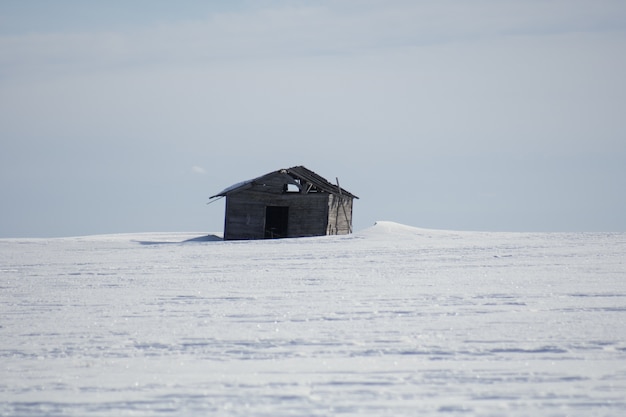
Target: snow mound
{"type": "Point", "coordinates": [387, 228]}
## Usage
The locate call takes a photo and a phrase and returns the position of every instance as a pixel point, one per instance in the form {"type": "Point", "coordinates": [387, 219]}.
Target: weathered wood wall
{"type": "Point", "coordinates": [339, 215]}
{"type": "Point", "coordinates": [245, 211]}
{"type": "Point", "coordinates": [245, 219]}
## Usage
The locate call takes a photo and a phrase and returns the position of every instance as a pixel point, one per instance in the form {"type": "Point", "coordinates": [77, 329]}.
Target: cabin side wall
{"type": "Point", "coordinates": [339, 215]}
{"type": "Point", "coordinates": [244, 218]}
{"type": "Point", "coordinates": [245, 212]}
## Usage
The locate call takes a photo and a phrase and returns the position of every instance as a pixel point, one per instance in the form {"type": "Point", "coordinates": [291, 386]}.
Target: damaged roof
{"type": "Point", "coordinates": [304, 175]}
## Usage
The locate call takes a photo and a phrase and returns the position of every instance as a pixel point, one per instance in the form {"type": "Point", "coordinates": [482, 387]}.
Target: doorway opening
{"type": "Point", "coordinates": [276, 220]}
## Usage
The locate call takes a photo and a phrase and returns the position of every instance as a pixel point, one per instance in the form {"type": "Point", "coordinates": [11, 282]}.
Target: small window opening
{"type": "Point", "coordinates": [292, 188]}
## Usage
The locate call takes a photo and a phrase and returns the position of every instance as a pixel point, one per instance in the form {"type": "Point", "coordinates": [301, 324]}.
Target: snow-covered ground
{"type": "Point", "coordinates": [389, 321]}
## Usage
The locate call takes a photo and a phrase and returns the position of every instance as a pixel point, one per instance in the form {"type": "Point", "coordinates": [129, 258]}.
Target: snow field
{"type": "Point", "coordinates": [392, 320]}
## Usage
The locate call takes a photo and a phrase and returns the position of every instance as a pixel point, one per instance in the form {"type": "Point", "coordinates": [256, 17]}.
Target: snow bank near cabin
{"type": "Point", "coordinates": [386, 228]}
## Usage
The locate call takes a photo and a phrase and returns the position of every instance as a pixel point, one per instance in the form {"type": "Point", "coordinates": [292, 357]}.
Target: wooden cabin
{"type": "Point", "coordinates": [292, 202]}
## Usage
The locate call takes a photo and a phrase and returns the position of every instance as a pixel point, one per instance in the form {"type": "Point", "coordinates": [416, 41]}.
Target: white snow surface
{"type": "Point", "coordinates": [390, 321]}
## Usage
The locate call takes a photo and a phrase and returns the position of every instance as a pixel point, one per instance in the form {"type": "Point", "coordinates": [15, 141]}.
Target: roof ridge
{"type": "Point", "coordinates": [299, 171]}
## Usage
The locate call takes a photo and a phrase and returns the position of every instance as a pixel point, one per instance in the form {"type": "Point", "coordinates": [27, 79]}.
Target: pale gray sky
{"type": "Point", "coordinates": [486, 115]}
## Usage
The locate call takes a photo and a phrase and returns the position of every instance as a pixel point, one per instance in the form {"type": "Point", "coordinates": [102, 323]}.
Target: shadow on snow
{"type": "Point", "coordinates": [207, 238]}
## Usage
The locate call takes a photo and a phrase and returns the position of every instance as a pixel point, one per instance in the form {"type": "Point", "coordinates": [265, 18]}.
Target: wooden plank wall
{"type": "Point", "coordinates": [245, 214]}
{"type": "Point", "coordinates": [245, 218]}
{"type": "Point", "coordinates": [339, 215]}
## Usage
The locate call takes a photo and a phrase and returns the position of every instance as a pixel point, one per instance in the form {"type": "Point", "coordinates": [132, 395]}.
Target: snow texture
{"type": "Point", "coordinates": [389, 321]}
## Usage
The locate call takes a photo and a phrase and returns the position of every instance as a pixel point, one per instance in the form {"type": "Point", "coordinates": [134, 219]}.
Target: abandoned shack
{"type": "Point", "coordinates": [292, 202]}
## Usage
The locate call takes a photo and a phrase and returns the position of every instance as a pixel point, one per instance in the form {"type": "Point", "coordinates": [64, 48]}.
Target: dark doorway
{"type": "Point", "coordinates": [276, 221]}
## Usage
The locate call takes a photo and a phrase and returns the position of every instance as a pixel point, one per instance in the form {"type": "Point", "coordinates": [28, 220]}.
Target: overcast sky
{"type": "Point", "coordinates": [495, 115]}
